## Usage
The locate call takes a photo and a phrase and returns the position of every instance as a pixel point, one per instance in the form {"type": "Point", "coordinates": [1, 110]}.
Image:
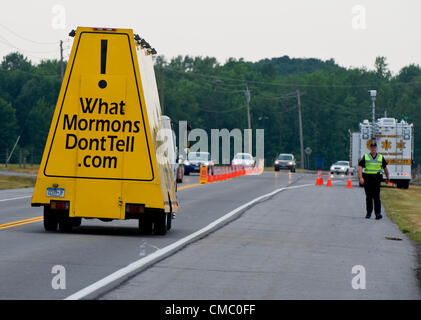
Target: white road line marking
{"type": "Point", "coordinates": [164, 252]}
{"type": "Point", "coordinates": [17, 198]}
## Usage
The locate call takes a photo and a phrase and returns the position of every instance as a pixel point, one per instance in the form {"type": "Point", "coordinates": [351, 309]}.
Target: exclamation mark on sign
{"type": "Point", "coordinates": [104, 43]}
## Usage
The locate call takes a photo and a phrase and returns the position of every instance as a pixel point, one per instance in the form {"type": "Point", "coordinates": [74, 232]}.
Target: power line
{"type": "Point", "coordinates": [337, 105]}
{"type": "Point", "coordinates": [283, 97]}
{"type": "Point", "coordinates": [10, 44]}
{"type": "Point", "coordinates": [222, 111]}
{"type": "Point", "coordinates": [243, 81]}
{"type": "Point", "coordinates": [282, 111]}
{"type": "Point", "coordinates": [228, 91]}
{"type": "Point", "coordinates": [26, 39]}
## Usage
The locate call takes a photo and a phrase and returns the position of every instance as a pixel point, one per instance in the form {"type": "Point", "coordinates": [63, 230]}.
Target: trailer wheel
{"type": "Point", "coordinates": [50, 220]}
{"type": "Point", "coordinates": [402, 184]}
{"type": "Point", "coordinates": [161, 223]}
{"type": "Point", "coordinates": [65, 224]}
{"type": "Point", "coordinates": [145, 225]}
{"type": "Point", "coordinates": [169, 220]}
{"type": "Point", "coordinates": [76, 222]}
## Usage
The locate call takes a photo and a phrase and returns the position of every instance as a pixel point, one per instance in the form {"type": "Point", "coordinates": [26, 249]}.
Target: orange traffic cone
{"type": "Point", "coordinates": [319, 180]}
{"type": "Point", "coordinates": [329, 181]}
{"type": "Point", "coordinates": [210, 175]}
{"type": "Point", "coordinates": [349, 184]}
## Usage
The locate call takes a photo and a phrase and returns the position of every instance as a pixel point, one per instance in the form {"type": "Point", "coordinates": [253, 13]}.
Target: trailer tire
{"type": "Point", "coordinates": [169, 220]}
{"type": "Point", "coordinates": [50, 220]}
{"type": "Point", "coordinates": [76, 222]}
{"type": "Point", "coordinates": [145, 225]}
{"type": "Point", "coordinates": [65, 224]}
{"type": "Point", "coordinates": [402, 184]}
{"type": "Point", "coordinates": [161, 223]}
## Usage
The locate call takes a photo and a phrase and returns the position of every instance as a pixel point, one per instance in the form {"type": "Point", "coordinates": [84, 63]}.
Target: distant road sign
{"type": "Point", "coordinates": [308, 151]}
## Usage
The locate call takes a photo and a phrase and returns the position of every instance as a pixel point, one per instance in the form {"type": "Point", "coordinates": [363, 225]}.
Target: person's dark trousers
{"type": "Point", "coordinates": [372, 193]}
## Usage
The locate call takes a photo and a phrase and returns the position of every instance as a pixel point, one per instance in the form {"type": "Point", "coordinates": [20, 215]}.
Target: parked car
{"type": "Point", "coordinates": [285, 161]}
{"type": "Point", "coordinates": [195, 160]}
{"type": "Point", "coordinates": [341, 167]}
{"type": "Point", "coordinates": [243, 159]}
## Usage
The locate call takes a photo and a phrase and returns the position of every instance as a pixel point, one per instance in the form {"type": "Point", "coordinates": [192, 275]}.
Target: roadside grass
{"type": "Point", "coordinates": [29, 168]}
{"type": "Point", "coordinates": [16, 182]}
{"type": "Point", "coordinates": [404, 208]}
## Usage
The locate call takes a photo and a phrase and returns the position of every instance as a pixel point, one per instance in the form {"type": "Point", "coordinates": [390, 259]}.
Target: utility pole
{"type": "Point", "coordinates": [13, 149]}
{"type": "Point", "coordinates": [300, 122]}
{"type": "Point", "coordinates": [7, 157]}
{"type": "Point", "coordinates": [61, 61]}
{"type": "Point", "coordinates": [20, 158]}
{"type": "Point", "coordinates": [373, 94]}
{"type": "Point", "coordinates": [248, 118]}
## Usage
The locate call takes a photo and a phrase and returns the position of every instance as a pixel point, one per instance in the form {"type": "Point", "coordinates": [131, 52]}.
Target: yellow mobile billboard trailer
{"type": "Point", "coordinates": [101, 157]}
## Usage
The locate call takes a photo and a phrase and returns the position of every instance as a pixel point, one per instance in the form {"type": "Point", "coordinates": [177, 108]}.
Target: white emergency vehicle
{"type": "Point", "coordinates": [395, 141]}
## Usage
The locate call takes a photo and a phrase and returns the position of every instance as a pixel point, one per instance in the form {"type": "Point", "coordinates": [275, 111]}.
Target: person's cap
{"type": "Point", "coordinates": [373, 144]}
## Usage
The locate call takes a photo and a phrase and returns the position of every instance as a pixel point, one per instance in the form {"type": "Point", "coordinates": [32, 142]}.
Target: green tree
{"type": "Point", "coordinates": [381, 68]}
{"type": "Point", "coordinates": [38, 124]}
{"type": "Point", "coordinates": [8, 125]}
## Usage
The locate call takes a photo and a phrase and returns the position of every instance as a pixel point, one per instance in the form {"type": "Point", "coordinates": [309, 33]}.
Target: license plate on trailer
{"type": "Point", "coordinates": [55, 192]}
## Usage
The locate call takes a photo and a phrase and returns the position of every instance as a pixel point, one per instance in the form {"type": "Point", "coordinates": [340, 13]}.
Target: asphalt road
{"type": "Point", "coordinates": [300, 244]}
{"type": "Point", "coordinates": [20, 174]}
{"type": "Point", "coordinates": [96, 249]}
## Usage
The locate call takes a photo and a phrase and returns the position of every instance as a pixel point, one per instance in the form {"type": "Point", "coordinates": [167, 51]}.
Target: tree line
{"type": "Point", "coordinates": [211, 95]}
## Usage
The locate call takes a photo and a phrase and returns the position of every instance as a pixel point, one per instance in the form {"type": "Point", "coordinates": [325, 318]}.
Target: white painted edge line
{"type": "Point", "coordinates": [162, 253]}
{"type": "Point", "coordinates": [17, 198]}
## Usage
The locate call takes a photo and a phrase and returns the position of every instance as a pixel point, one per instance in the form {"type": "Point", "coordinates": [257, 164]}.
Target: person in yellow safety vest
{"type": "Point", "coordinates": [370, 173]}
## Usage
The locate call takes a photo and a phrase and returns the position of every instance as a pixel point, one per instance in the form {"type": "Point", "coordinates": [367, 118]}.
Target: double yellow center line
{"type": "Point", "coordinates": [189, 186]}
{"type": "Point", "coordinates": [20, 222]}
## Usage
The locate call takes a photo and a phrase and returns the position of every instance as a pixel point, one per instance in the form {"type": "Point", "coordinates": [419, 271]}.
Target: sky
{"type": "Point", "coordinates": [351, 32]}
